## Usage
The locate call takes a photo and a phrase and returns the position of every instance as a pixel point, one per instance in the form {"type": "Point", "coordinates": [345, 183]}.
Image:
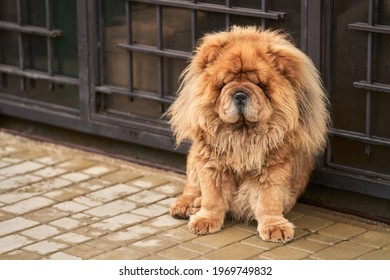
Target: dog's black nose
{"type": "Point", "coordinates": [240, 97]}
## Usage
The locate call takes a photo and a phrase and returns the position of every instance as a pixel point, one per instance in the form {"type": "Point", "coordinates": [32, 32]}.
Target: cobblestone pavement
{"type": "Point", "coordinates": [62, 203]}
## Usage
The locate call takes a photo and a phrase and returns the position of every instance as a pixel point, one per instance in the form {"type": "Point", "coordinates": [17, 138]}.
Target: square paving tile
{"type": "Point", "coordinates": [342, 231]}
{"type": "Point", "coordinates": [222, 238]}
{"type": "Point", "coordinates": [373, 238]}
{"type": "Point", "coordinates": [345, 250]}
{"type": "Point", "coordinates": [235, 251]}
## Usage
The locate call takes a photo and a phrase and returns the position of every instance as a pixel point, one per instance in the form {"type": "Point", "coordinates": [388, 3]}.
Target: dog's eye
{"type": "Point", "coordinates": [264, 89]}
{"type": "Point", "coordinates": [220, 86]}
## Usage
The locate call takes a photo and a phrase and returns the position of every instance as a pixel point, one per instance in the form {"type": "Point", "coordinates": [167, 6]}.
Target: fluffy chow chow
{"type": "Point", "coordinates": [253, 107]}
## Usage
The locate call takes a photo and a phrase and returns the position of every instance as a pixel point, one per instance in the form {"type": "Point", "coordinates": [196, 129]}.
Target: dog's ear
{"type": "Point", "coordinates": [300, 71]}
{"type": "Point", "coordinates": [208, 50]}
{"type": "Point", "coordinates": [289, 64]}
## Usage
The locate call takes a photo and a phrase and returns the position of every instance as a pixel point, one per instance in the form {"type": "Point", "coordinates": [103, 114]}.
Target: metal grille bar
{"type": "Point", "coordinates": [370, 28]}
{"type": "Point", "coordinates": [136, 93]}
{"type": "Point", "coordinates": [372, 86]}
{"type": "Point", "coordinates": [38, 75]}
{"type": "Point", "coordinates": [216, 8]}
{"type": "Point", "coordinates": [33, 30]}
{"type": "Point", "coordinates": [156, 51]}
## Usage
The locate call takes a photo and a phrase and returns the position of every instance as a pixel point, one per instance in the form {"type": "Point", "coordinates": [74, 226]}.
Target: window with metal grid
{"type": "Point", "coordinates": [38, 53]}
{"type": "Point", "coordinates": [360, 88]}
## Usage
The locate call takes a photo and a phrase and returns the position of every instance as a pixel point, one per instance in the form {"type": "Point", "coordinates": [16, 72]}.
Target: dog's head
{"type": "Point", "coordinates": [250, 80]}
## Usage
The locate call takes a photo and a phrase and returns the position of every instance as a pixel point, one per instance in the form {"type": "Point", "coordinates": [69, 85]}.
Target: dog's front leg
{"type": "Point", "coordinates": [217, 188]}
{"type": "Point", "coordinates": [268, 204]}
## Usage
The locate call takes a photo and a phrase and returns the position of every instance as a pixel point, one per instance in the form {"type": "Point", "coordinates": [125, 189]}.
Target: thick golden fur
{"type": "Point", "coordinates": [251, 157]}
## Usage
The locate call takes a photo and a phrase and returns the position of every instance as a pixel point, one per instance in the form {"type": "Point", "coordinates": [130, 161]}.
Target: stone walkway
{"type": "Point", "coordinates": [62, 203]}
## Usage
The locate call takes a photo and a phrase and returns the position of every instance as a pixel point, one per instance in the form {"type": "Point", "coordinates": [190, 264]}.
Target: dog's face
{"type": "Point", "coordinates": [240, 91]}
{"type": "Point", "coordinates": [249, 84]}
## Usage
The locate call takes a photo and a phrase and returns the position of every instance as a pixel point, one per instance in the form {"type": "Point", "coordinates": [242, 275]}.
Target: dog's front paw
{"type": "Point", "coordinates": [275, 228]}
{"type": "Point", "coordinates": [181, 209]}
{"type": "Point", "coordinates": [201, 226]}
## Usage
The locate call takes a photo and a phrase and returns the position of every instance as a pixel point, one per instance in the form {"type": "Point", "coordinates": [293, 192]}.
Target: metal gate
{"type": "Point", "coordinates": [110, 68]}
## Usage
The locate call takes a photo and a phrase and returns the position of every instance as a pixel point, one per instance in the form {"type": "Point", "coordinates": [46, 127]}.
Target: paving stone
{"type": "Point", "coordinates": [4, 164]}
{"type": "Point", "coordinates": [11, 160]}
{"type": "Point", "coordinates": [98, 170]}
{"type": "Point", "coordinates": [49, 172]}
{"type": "Point", "coordinates": [47, 185]}
{"type": "Point", "coordinates": [284, 253]}
{"type": "Point", "coordinates": [73, 238]}
{"type": "Point", "coordinates": [6, 150]}
{"type": "Point", "coordinates": [376, 255]}
{"type": "Point", "coordinates": [94, 184]}
{"type": "Point", "coordinates": [103, 244]}
{"type": "Point", "coordinates": [17, 182]}
{"type": "Point", "coordinates": [118, 222]}
{"type": "Point", "coordinates": [153, 244]}
{"type": "Point", "coordinates": [307, 245]}
{"type": "Point", "coordinates": [132, 234]}
{"type": "Point", "coordinates": [123, 253]}
{"type": "Point", "coordinates": [312, 223]}
{"type": "Point", "coordinates": [112, 208]}
{"type": "Point", "coordinates": [65, 194]}
{"type": "Point", "coordinates": [46, 215]}
{"type": "Point", "coordinates": [28, 205]}
{"type": "Point", "coordinates": [178, 235]}
{"type": "Point", "coordinates": [154, 258]}
{"type": "Point", "coordinates": [76, 164]}
{"type": "Point", "coordinates": [12, 242]}
{"type": "Point", "coordinates": [15, 224]}
{"type": "Point", "coordinates": [114, 192]}
{"type": "Point", "coordinates": [9, 198]}
{"type": "Point", "coordinates": [50, 160]}
{"type": "Point", "coordinates": [195, 247]}
{"type": "Point", "coordinates": [146, 197]}
{"type": "Point", "coordinates": [342, 231]}
{"type": "Point", "coordinates": [147, 182]}
{"type": "Point", "coordinates": [87, 201]}
{"type": "Point", "coordinates": [63, 256]}
{"type": "Point", "coordinates": [91, 231]}
{"type": "Point", "coordinates": [344, 250]}
{"type": "Point", "coordinates": [85, 218]}
{"type": "Point", "coordinates": [120, 176]}
{"type": "Point", "coordinates": [386, 247]}
{"type": "Point", "coordinates": [75, 177]}
{"type": "Point", "coordinates": [19, 255]}
{"type": "Point", "coordinates": [151, 211]}
{"type": "Point", "coordinates": [258, 242]}
{"type": "Point", "coordinates": [235, 251]}
{"type": "Point", "coordinates": [324, 239]}
{"type": "Point", "coordinates": [373, 238]}
{"type": "Point", "coordinates": [27, 155]}
{"type": "Point", "coordinates": [82, 251]}
{"type": "Point", "coordinates": [168, 202]}
{"type": "Point", "coordinates": [170, 189]}
{"type": "Point", "coordinates": [166, 222]}
{"type": "Point", "coordinates": [20, 168]}
{"type": "Point", "coordinates": [178, 253]}
{"type": "Point", "coordinates": [252, 227]}
{"type": "Point", "coordinates": [45, 247]}
{"type": "Point", "coordinates": [222, 238]}
{"type": "Point", "coordinates": [70, 206]}
{"type": "Point", "coordinates": [293, 215]}
{"type": "Point", "coordinates": [67, 223]}
{"type": "Point", "coordinates": [41, 232]}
